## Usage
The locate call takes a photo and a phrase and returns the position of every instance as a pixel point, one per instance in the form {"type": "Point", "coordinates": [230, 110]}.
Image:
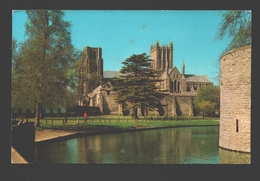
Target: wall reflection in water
{"type": "Point", "coordinates": [231, 157]}
{"type": "Point", "coordinates": [187, 145]}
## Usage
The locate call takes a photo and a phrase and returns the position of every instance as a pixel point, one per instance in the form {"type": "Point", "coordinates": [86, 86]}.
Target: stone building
{"type": "Point", "coordinates": [182, 87]}
{"type": "Point", "coordinates": [93, 66]}
{"type": "Point", "coordinates": [235, 100]}
{"type": "Point", "coordinates": [173, 80]}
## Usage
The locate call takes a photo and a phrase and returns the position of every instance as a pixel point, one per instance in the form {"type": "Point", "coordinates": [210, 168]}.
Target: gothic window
{"type": "Point", "coordinates": [188, 88]}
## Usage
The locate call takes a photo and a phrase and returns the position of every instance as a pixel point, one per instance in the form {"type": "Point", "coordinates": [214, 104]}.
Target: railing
{"type": "Point", "coordinates": [119, 119]}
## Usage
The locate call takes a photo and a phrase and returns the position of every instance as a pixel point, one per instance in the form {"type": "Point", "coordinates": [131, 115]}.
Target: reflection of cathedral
{"type": "Point", "coordinates": [173, 80]}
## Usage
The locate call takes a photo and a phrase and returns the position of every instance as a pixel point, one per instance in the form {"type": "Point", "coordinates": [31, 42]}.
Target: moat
{"type": "Point", "coordinates": [186, 145]}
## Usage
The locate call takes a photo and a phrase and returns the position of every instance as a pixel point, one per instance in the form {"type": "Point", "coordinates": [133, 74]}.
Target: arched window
{"type": "Point", "coordinates": [188, 88]}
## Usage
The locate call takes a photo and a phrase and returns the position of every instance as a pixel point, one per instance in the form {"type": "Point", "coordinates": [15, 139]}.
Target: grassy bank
{"type": "Point", "coordinates": [106, 123]}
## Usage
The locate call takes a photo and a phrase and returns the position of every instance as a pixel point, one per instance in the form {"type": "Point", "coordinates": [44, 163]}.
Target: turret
{"type": "Point", "coordinates": [167, 67]}
{"type": "Point", "coordinates": [183, 68]}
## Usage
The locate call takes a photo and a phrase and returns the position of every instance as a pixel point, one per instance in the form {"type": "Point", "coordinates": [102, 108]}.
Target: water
{"type": "Point", "coordinates": [187, 145]}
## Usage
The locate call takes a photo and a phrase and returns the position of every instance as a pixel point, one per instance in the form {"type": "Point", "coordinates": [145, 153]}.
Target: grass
{"type": "Point", "coordinates": [114, 122]}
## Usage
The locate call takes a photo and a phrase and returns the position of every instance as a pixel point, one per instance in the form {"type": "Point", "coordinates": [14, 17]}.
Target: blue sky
{"type": "Point", "coordinates": [122, 33]}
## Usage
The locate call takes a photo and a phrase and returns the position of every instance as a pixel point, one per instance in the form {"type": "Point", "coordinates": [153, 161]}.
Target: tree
{"type": "Point", "coordinates": [238, 25]}
{"type": "Point", "coordinates": [41, 63]}
{"type": "Point", "coordinates": [208, 100]}
{"type": "Point", "coordinates": [137, 84]}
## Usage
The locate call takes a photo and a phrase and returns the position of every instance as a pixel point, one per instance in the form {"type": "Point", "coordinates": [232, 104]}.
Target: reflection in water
{"type": "Point", "coordinates": [231, 157]}
{"type": "Point", "coordinates": [190, 145]}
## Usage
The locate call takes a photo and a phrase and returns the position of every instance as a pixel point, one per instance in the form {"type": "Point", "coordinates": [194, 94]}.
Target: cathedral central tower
{"type": "Point", "coordinates": [162, 56]}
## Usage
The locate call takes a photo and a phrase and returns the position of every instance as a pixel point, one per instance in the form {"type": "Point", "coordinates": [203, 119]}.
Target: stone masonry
{"type": "Point", "coordinates": [235, 100]}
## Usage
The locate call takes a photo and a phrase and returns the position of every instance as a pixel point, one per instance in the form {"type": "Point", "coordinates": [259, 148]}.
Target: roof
{"type": "Point", "coordinates": [110, 74]}
{"type": "Point", "coordinates": [188, 77]}
{"type": "Point", "coordinates": [169, 72]}
{"type": "Point", "coordinates": [196, 78]}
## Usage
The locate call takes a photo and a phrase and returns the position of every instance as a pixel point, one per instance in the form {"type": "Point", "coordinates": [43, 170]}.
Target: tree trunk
{"type": "Point", "coordinates": [38, 115]}
{"type": "Point", "coordinates": [135, 113]}
{"type": "Point", "coordinates": [65, 116]}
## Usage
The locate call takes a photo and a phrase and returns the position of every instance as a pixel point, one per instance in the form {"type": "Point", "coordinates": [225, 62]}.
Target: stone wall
{"type": "Point", "coordinates": [109, 104]}
{"type": "Point", "coordinates": [171, 105]}
{"type": "Point", "coordinates": [235, 100]}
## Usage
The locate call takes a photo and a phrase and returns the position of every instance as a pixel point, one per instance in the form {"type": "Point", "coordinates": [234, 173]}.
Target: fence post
{"type": "Point", "coordinates": [52, 121]}
{"type": "Point", "coordinates": [78, 121]}
{"type": "Point", "coordinates": [46, 121]}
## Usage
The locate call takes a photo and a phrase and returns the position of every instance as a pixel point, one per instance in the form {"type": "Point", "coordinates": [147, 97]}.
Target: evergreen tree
{"type": "Point", "coordinates": [42, 63]}
{"type": "Point", "coordinates": [136, 84]}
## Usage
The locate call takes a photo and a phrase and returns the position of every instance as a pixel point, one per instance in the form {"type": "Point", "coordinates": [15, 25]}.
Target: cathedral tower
{"type": "Point", "coordinates": [91, 73]}
{"type": "Point", "coordinates": [162, 56]}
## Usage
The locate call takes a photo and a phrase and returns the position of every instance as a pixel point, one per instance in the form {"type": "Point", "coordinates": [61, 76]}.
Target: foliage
{"type": "Point", "coordinates": [42, 64]}
{"type": "Point", "coordinates": [238, 25]}
{"type": "Point", "coordinates": [208, 100]}
{"type": "Point", "coordinates": [136, 84]}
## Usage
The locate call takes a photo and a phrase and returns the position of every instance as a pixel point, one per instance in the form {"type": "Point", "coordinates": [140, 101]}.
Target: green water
{"type": "Point", "coordinates": [187, 145]}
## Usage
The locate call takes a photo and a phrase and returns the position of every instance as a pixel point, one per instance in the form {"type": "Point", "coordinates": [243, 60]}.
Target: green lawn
{"type": "Point", "coordinates": [112, 122]}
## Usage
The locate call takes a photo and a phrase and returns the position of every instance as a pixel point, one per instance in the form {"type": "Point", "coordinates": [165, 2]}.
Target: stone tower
{"type": "Point", "coordinates": [162, 56]}
{"type": "Point", "coordinates": [93, 69]}
{"type": "Point", "coordinates": [94, 60]}
{"type": "Point", "coordinates": [235, 100]}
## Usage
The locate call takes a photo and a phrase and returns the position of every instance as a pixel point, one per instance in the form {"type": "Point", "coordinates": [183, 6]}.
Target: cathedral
{"type": "Point", "coordinates": [182, 88]}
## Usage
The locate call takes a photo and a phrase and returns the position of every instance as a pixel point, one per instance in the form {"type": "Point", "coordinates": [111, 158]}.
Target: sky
{"type": "Point", "coordinates": [122, 33]}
